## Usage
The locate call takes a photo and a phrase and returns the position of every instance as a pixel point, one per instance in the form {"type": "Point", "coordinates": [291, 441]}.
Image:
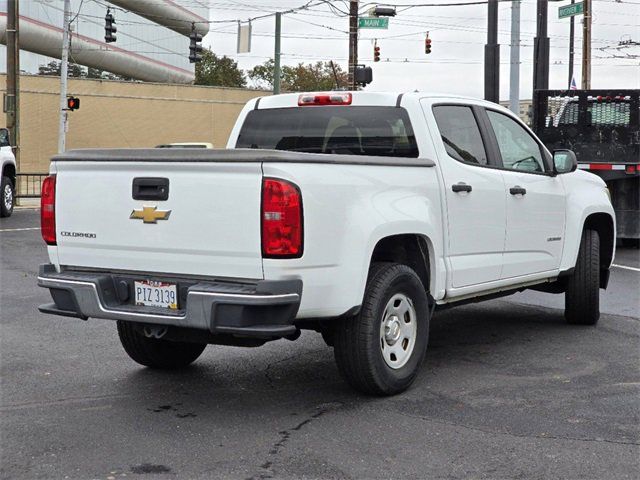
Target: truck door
{"type": "Point", "coordinates": [535, 201]}
{"type": "Point", "coordinates": [474, 195]}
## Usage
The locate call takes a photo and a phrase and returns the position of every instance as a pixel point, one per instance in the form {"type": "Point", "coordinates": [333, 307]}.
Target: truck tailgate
{"type": "Point", "coordinates": [213, 228]}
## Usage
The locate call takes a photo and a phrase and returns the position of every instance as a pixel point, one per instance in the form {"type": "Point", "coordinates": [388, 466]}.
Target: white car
{"type": "Point", "coordinates": [8, 175]}
{"type": "Point", "coordinates": [355, 214]}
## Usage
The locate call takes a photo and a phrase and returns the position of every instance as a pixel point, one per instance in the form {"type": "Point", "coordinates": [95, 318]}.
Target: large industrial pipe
{"type": "Point", "coordinates": [38, 37]}
{"type": "Point", "coordinates": [166, 13]}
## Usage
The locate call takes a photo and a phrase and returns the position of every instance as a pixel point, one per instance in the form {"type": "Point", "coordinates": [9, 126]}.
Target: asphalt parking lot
{"type": "Point", "coordinates": [508, 390]}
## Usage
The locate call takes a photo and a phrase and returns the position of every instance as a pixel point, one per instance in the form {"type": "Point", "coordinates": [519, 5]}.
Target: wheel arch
{"type": "Point", "coordinates": [414, 250]}
{"type": "Point", "coordinates": [9, 170]}
{"type": "Point", "coordinates": [604, 224]}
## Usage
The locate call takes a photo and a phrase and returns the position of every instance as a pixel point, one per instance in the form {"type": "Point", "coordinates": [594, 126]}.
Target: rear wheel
{"type": "Point", "coordinates": [582, 298]}
{"type": "Point", "coordinates": [8, 197]}
{"type": "Point", "coordinates": [157, 352]}
{"type": "Point", "coordinates": [380, 350]}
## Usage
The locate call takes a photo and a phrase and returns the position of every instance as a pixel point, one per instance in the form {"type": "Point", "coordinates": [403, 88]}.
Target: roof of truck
{"type": "Point", "coordinates": [362, 98]}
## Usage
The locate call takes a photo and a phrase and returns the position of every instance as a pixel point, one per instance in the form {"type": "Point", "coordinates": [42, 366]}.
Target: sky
{"type": "Point", "coordinates": [458, 36]}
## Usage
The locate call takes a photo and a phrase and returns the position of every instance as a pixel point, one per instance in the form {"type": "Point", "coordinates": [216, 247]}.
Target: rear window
{"type": "Point", "coordinates": [345, 130]}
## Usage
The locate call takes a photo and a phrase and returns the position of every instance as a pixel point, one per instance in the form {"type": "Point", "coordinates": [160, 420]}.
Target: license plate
{"type": "Point", "coordinates": [156, 294]}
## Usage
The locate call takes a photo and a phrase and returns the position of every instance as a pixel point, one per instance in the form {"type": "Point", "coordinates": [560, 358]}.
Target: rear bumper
{"type": "Point", "coordinates": [263, 309]}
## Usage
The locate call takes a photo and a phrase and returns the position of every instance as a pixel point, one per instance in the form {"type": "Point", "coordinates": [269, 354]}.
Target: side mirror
{"type": "Point", "coordinates": [4, 138]}
{"type": "Point", "coordinates": [564, 161]}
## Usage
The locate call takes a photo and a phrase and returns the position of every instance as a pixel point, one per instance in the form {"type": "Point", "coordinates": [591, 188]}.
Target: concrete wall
{"type": "Point", "coordinates": [122, 114]}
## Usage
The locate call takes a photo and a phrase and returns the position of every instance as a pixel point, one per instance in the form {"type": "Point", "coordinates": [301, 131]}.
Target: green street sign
{"type": "Point", "coordinates": [571, 10]}
{"type": "Point", "coordinates": [373, 22]}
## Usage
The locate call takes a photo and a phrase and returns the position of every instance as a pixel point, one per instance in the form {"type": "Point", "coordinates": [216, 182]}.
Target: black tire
{"type": "Point", "coordinates": [156, 352]}
{"type": "Point", "coordinates": [582, 298]}
{"type": "Point", "coordinates": [359, 342]}
{"type": "Point", "coordinates": [7, 203]}
{"type": "Point", "coordinates": [328, 335]}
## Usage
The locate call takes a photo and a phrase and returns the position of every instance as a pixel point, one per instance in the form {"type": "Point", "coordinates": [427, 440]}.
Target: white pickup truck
{"type": "Point", "coordinates": [7, 175]}
{"type": "Point", "coordinates": [354, 214]}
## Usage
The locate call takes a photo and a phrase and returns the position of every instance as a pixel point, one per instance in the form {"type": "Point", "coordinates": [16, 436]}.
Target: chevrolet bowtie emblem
{"type": "Point", "coordinates": [150, 214]}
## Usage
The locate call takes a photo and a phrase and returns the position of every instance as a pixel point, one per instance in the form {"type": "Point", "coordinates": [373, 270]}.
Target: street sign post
{"type": "Point", "coordinates": [373, 22]}
{"type": "Point", "coordinates": [571, 10]}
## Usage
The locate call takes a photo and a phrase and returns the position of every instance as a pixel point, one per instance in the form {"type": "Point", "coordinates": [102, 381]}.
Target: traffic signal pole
{"type": "Point", "coordinates": [541, 49]}
{"type": "Point", "coordinates": [353, 42]}
{"type": "Point", "coordinates": [13, 78]}
{"type": "Point", "coordinates": [572, 34]}
{"type": "Point", "coordinates": [64, 69]}
{"type": "Point", "coordinates": [277, 74]}
{"type": "Point", "coordinates": [492, 55]}
{"type": "Point", "coordinates": [514, 74]}
{"type": "Point", "coordinates": [586, 46]}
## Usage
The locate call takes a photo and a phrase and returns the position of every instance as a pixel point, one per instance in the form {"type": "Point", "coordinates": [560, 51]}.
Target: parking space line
{"type": "Point", "coordinates": [18, 229]}
{"type": "Point", "coordinates": [625, 267]}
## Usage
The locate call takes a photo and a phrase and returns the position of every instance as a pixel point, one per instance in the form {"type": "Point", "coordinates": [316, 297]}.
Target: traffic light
{"type": "Point", "coordinates": [73, 103]}
{"type": "Point", "coordinates": [109, 27]}
{"type": "Point", "coordinates": [376, 52]}
{"type": "Point", "coordinates": [363, 75]}
{"type": "Point", "coordinates": [384, 11]}
{"type": "Point", "coordinates": [427, 45]}
{"type": "Point", "coordinates": [195, 48]}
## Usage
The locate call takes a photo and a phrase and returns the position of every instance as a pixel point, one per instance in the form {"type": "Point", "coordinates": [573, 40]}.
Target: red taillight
{"type": "Point", "coordinates": [632, 169]}
{"type": "Point", "coordinates": [48, 210]}
{"type": "Point", "coordinates": [310, 99]}
{"type": "Point", "coordinates": [281, 219]}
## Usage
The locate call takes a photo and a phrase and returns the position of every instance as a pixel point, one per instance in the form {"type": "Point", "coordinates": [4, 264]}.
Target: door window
{"type": "Point", "coordinates": [518, 148]}
{"type": "Point", "coordinates": [460, 133]}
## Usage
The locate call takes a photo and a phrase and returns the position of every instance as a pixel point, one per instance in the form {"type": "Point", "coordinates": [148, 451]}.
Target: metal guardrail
{"type": "Point", "coordinates": [28, 184]}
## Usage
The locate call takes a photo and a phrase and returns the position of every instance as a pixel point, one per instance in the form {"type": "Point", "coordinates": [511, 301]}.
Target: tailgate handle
{"type": "Point", "coordinates": [148, 188]}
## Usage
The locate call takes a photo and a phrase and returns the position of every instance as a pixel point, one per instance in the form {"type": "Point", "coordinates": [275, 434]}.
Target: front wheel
{"type": "Point", "coordinates": [380, 350]}
{"type": "Point", "coordinates": [582, 297]}
{"type": "Point", "coordinates": [8, 197]}
{"type": "Point", "coordinates": [157, 352]}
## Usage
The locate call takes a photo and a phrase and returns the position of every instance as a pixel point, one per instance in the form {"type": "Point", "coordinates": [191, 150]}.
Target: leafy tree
{"type": "Point", "coordinates": [301, 77]}
{"type": "Point", "coordinates": [104, 75]}
{"type": "Point", "coordinates": [94, 73]}
{"type": "Point", "coordinates": [53, 68]}
{"type": "Point", "coordinates": [262, 75]}
{"type": "Point", "coordinates": [219, 71]}
{"type": "Point", "coordinates": [77, 71]}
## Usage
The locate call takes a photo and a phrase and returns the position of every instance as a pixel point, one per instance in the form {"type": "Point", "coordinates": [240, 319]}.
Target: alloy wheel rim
{"type": "Point", "coordinates": [398, 331]}
{"type": "Point", "coordinates": [8, 197]}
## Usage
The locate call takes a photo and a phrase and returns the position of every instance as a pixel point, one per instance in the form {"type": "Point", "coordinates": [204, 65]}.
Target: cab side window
{"type": "Point", "coordinates": [4, 137]}
{"type": "Point", "coordinates": [518, 149]}
{"type": "Point", "coordinates": [460, 133]}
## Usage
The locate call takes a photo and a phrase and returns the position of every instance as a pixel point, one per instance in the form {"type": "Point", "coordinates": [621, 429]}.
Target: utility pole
{"type": "Point", "coordinates": [514, 77]}
{"type": "Point", "coordinates": [12, 105]}
{"type": "Point", "coordinates": [541, 49]}
{"type": "Point", "coordinates": [586, 46]}
{"type": "Point", "coordinates": [64, 68]}
{"type": "Point", "coordinates": [492, 55]}
{"type": "Point", "coordinates": [335, 74]}
{"type": "Point", "coordinates": [353, 42]}
{"type": "Point", "coordinates": [276, 57]}
{"type": "Point", "coordinates": [572, 35]}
